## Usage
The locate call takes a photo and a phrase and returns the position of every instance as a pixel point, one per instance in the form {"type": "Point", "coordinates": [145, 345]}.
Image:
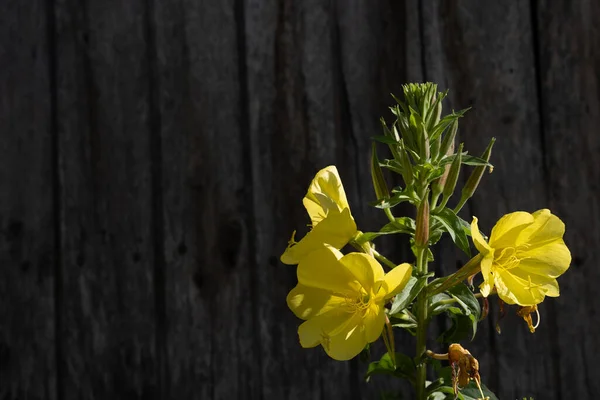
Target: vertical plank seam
{"type": "Point", "coordinates": [157, 201]}
{"type": "Point", "coordinates": [554, 335]}
{"type": "Point", "coordinates": [249, 177]}
{"type": "Point", "coordinates": [56, 195]}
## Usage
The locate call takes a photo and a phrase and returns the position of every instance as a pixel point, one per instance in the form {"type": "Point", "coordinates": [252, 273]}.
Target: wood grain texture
{"type": "Point", "coordinates": [109, 329]}
{"type": "Point", "coordinates": [568, 37]}
{"type": "Point", "coordinates": [155, 154]}
{"type": "Point", "coordinates": [209, 229]}
{"type": "Point", "coordinates": [27, 219]}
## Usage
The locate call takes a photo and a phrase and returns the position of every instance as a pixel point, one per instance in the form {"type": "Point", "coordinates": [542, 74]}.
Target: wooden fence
{"type": "Point", "coordinates": [154, 154]}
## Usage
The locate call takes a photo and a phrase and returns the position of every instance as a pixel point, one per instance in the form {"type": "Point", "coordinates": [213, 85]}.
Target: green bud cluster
{"type": "Point", "coordinates": [421, 140]}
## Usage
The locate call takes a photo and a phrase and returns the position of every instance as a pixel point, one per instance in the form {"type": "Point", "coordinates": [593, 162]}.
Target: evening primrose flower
{"type": "Point", "coordinates": [525, 255]}
{"type": "Point", "coordinates": [332, 223]}
{"type": "Point", "coordinates": [341, 298]}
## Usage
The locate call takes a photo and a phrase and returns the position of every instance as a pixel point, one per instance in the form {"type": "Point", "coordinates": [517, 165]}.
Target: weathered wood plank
{"type": "Point", "coordinates": [27, 224]}
{"type": "Point", "coordinates": [209, 233]}
{"type": "Point", "coordinates": [486, 58]}
{"type": "Point", "coordinates": [568, 41]}
{"type": "Point", "coordinates": [108, 306]}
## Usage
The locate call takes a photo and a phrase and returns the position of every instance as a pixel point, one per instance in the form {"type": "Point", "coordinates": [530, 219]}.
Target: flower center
{"type": "Point", "coordinates": [358, 301]}
{"type": "Point", "coordinates": [507, 260]}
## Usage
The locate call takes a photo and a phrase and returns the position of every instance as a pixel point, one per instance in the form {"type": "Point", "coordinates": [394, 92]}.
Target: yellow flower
{"type": "Point", "coordinates": [342, 300]}
{"type": "Point", "coordinates": [525, 255]}
{"type": "Point", "coordinates": [329, 212]}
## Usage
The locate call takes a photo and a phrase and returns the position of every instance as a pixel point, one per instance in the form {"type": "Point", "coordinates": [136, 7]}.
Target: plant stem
{"type": "Point", "coordinates": [422, 323]}
{"type": "Point", "coordinates": [467, 270]}
{"type": "Point", "coordinates": [389, 214]}
{"type": "Point", "coordinates": [384, 260]}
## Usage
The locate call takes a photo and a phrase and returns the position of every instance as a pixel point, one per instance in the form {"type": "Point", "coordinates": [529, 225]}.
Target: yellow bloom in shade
{"type": "Point", "coordinates": [525, 255]}
{"type": "Point", "coordinates": [341, 298]}
{"type": "Point", "coordinates": [329, 212]}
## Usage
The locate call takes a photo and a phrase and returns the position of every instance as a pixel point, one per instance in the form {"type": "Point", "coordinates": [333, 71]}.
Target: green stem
{"type": "Point", "coordinates": [467, 270]}
{"type": "Point", "coordinates": [434, 200]}
{"type": "Point", "coordinates": [460, 204]}
{"type": "Point", "coordinates": [422, 323]}
{"type": "Point", "coordinates": [389, 214]}
{"type": "Point", "coordinates": [384, 260]}
{"type": "Point", "coordinates": [443, 204]}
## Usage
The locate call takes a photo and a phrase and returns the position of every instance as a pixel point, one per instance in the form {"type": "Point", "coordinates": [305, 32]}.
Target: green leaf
{"type": "Point", "coordinates": [408, 294]}
{"type": "Point", "coordinates": [445, 122]}
{"type": "Point", "coordinates": [469, 303]}
{"type": "Point", "coordinates": [404, 368]}
{"type": "Point", "coordinates": [385, 139]}
{"type": "Point", "coordinates": [467, 299]}
{"type": "Point", "coordinates": [461, 326]}
{"type": "Point", "coordinates": [435, 307]}
{"type": "Point", "coordinates": [471, 392]}
{"type": "Point", "coordinates": [392, 165]}
{"type": "Point", "coordinates": [454, 227]}
{"type": "Point", "coordinates": [466, 159]}
{"type": "Point", "coordinates": [397, 198]}
{"type": "Point", "coordinates": [400, 225]}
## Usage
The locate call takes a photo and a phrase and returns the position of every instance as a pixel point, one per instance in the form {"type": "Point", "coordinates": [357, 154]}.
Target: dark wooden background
{"type": "Point", "coordinates": [154, 155]}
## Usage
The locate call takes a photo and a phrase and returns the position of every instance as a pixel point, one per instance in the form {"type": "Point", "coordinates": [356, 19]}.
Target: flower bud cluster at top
{"type": "Point", "coordinates": [421, 141]}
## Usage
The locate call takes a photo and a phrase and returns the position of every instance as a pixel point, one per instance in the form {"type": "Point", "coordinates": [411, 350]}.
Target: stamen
{"type": "Point", "coordinates": [292, 240]}
{"type": "Point", "coordinates": [539, 318]}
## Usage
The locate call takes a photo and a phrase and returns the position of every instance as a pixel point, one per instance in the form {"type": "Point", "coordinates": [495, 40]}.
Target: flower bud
{"type": "Point", "coordinates": [453, 173]}
{"type": "Point", "coordinates": [422, 228]}
{"type": "Point", "coordinates": [440, 183]}
{"type": "Point", "coordinates": [407, 169]}
{"type": "Point", "coordinates": [379, 184]}
{"type": "Point", "coordinates": [449, 137]}
{"type": "Point", "coordinates": [476, 175]}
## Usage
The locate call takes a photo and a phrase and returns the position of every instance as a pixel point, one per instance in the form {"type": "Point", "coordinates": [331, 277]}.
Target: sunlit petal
{"type": "Point", "coordinates": [508, 228]}
{"type": "Point", "coordinates": [478, 239]}
{"type": "Point", "coordinates": [395, 280]}
{"type": "Point", "coordinates": [348, 343]}
{"type": "Point", "coordinates": [374, 321]}
{"type": "Point", "coordinates": [307, 302]}
{"type": "Point", "coordinates": [545, 228]}
{"type": "Point", "coordinates": [325, 193]}
{"type": "Point", "coordinates": [322, 270]}
{"type": "Point", "coordinates": [336, 230]}
{"type": "Point", "coordinates": [552, 259]}
{"type": "Point", "coordinates": [364, 268]}
{"type": "Point", "coordinates": [316, 330]}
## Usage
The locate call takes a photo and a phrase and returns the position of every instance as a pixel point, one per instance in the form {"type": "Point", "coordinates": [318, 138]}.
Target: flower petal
{"type": "Point", "coordinates": [513, 288]}
{"type": "Point", "coordinates": [551, 259]}
{"type": "Point", "coordinates": [365, 269]}
{"type": "Point", "coordinates": [486, 272]}
{"type": "Point", "coordinates": [307, 302]}
{"type": "Point", "coordinates": [336, 230]}
{"type": "Point", "coordinates": [546, 228]}
{"type": "Point", "coordinates": [325, 193]}
{"type": "Point", "coordinates": [508, 228]}
{"type": "Point", "coordinates": [374, 321]}
{"type": "Point", "coordinates": [316, 330]}
{"type": "Point", "coordinates": [395, 280]}
{"type": "Point", "coordinates": [348, 343]}
{"type": "Point", "coordinates": [478, 239]}
{"type": "Point", "coordinates": [546, 284]}
{"type": "Point", "coordinates": [322, 269]}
